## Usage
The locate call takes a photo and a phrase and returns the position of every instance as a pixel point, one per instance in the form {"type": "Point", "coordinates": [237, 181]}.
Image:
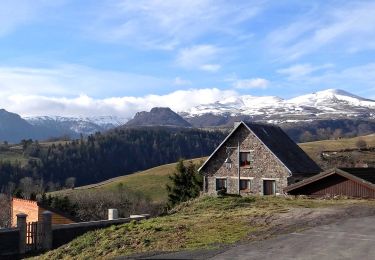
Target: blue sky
{"type": "Point", "coordinates": [67, 57]}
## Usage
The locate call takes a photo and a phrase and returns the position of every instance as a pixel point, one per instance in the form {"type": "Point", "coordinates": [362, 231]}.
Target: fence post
{"type": "Point", "coordinates": [47, 230]}
{"type": "Point", "coordinates": [112, 214]}
{"type": "Point", "coordinates": [21, 225]}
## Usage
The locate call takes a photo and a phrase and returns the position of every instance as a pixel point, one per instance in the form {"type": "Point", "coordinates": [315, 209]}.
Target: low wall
{"type": "Point", "coordinates": [9, 243]}
{"type": "Point", "coordinates": [62, 234]}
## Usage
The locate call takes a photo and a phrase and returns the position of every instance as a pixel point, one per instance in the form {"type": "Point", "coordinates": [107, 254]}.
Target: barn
{"type": "Point", "coordinates": [351, 182]}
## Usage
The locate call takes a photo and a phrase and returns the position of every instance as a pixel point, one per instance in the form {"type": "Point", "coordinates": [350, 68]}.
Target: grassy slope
{"type": "Point", "coordinates": [150, 182]}
{"type": "Point", "coordinates": [202, 223]}
{"type": "Point", "coordinates": [336, 145]}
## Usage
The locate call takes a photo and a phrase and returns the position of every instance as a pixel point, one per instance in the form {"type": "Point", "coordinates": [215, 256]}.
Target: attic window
{"type": "Point", "coordinates": [245, 159]}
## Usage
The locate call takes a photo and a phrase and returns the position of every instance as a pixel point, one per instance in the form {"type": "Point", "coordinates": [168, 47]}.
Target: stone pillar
{"type": "Point", "coordinates": [112, 214]}
{"type": "Point", "coordinates": [21, 225]}
{"type": "Point", "coordinates": [47, 230]}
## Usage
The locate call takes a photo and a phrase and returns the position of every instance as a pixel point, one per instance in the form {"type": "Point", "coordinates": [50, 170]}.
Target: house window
{"type": "Point", "coordinates": [245, 159]}
{"type": "Point", "coordinates": [221, 184]}
{"type": "Point", "coordinates": [245, 185]}
{"type": "Point", "coordinates": [269, 187]}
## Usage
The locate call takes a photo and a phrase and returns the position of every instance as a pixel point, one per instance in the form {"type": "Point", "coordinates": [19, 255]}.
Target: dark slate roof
{"type": "Point", "coordinates": [280, 144]}
{"type": "Point", "coordinates": [367, 174]}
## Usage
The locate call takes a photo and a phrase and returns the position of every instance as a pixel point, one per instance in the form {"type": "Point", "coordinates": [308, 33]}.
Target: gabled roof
{"type": "Point", "coordinates": [353, 174]}
{"type": "Point", "coordinates": [280, 144]}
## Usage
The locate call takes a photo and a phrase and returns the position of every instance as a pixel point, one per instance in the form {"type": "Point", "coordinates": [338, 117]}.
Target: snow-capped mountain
{"type": "Point", "coordinates": [77, 125]}
{"type": "Point", "coordinates": [327, 104]}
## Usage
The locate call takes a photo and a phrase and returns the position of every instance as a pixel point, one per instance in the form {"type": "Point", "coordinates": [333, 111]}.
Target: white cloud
{"type": "Point", "coordinates": [251, 83]}
{"type": "Point", "coordinates": [17, 13]}
{"type": "Point", "coordinates": [83, 105]}
{"type": "Point", "coordinates": [181, 82]}
{"type": "Point", "coordinates": [165, 24]}
{"type": "Point", "coordinates": [300, 70]}
{"type": "Point", "coordinates": [350, 27]}
{"type": "Point", "coordinates": [70, 80]}
{"type": "Point", "coordinates": [210, 67]}
{"type": "Point", "coordinates": [201, 57]}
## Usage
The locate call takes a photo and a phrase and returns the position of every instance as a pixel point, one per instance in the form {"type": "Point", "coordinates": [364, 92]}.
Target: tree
{"type": "Point", "coordinates": [27, 187]}
{"type": "Point", "coordinates": [361, 144]}
{"type": "Point", "coordinates": [5, 217]}
{"type": "Point", "coordinates": [70, 182]}
{"type": "Point", "coordinates": [186, 183]}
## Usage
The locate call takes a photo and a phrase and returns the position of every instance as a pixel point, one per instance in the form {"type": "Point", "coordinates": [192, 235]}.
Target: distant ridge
{"type": "Point", "coordinates": [158, 116]}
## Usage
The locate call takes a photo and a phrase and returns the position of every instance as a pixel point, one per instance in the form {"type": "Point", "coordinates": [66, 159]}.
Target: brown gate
{"type": "Point", "coordinates": [34, 236]}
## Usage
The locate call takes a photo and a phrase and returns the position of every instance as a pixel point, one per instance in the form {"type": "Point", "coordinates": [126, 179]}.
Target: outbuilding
{"type": "Point", "coordinates": [351, 182]}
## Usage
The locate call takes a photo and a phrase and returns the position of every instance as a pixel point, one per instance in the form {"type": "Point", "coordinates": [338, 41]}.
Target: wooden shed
{"type": "Point", "coordinates": [351, 182]}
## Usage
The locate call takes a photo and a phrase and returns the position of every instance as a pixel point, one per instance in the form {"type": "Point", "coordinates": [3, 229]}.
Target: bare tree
{"type": "Point", "coordinates": [5, 217]}
{"type": "Point", "coordinates": [27, 187]}
{"type": "Point", "coordinates": [70, 182]}
{"type": "Point", "coordinates": [93, 204]}
{"type": "Point", "coordinates": [361, 144]}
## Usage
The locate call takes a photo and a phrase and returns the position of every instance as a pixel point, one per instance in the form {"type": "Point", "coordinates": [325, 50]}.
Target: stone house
{"type": "Point", "coordinates": [34, 210]}
{"type": "Point", "coordinates": [256, 159]}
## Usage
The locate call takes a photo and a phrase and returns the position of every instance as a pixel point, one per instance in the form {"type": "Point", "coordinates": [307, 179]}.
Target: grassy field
{"type": "Point", "coordinates": [206, 222]}
{"type": "Point", "coordinates": [151, 182]}
{"type": "Point", "coordinates": [336, 145]}
{"type": "Point", "coordinates": [13, 156]}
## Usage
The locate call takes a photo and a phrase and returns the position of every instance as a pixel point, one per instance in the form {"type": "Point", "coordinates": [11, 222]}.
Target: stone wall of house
{"type": "Point", "coordinates": [264, 166]}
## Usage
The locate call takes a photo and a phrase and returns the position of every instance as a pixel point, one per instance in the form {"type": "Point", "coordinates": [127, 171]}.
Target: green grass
{"type": "Point", "coordinates": [151, 183]}
{"type": "Point", "coordinates": [206, 222]}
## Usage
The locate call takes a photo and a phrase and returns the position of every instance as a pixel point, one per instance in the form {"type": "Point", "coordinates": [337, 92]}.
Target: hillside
{"type": "Point", "coordinates": [151, 183]}
{"type": "Point", "coordinates": [104, 156]}
{"type": "Point", "coordinates": [209, 222]}
{"type": "Point", "coordinates": [336, 145]}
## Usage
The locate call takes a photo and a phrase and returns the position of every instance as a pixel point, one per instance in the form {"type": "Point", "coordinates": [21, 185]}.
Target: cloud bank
{"type": "Point", "coordinates": [83, 105]}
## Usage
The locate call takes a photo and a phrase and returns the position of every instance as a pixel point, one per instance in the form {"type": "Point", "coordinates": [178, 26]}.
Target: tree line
{"type": "Point", "coordinates": [102, 156]}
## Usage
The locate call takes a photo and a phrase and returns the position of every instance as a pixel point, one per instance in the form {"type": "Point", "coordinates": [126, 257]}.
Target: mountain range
{"type": "Point", "coordinates": [327, 104]}
{"type": "Point", "coordinates": [323, 105]}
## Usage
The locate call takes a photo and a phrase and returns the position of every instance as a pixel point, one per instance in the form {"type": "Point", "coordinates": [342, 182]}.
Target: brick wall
{"type": "Point", "coordinates": [24, 206]}
{"type": "Point", "coordinates": [264, 166]}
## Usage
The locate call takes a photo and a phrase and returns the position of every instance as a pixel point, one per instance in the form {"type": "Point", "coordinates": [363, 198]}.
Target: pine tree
{"type": "Point", "coordinates": [186, 184]}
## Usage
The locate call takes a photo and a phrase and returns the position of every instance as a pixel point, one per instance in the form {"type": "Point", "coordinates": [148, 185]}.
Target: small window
{"type": "Point", "coordinates": [221, 184]}
{"type": "Point", "coordinates": [245, 159]}
{"type": "Point", "coordinates": [245, 185]}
